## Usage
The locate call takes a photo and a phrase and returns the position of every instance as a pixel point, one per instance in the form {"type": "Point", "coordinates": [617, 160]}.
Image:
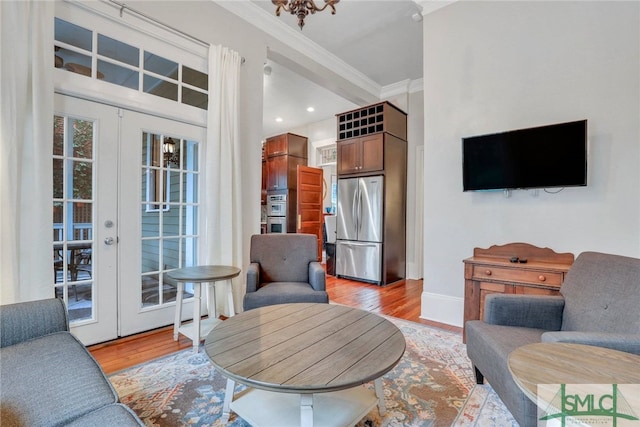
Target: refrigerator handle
{"type": "Point", "coordinates": [354, 209]}
{"type": "Point", "coordinates": [359, 211]}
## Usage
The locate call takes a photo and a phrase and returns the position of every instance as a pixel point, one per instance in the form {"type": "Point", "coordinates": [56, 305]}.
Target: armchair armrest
{"type": "Point", "coordinates": [529, 311]}
{"type": "Point", "coordinates": [317, 276]}
{"type": "Point", "coordinates": [26, 320]}
{"type": "Point", "coordinates": [629, 343]}
{"type": "Point", "coordinates": [253, 277]}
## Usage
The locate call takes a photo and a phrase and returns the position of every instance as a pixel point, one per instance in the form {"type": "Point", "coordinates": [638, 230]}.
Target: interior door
{"type": "Point", "coordinates": [159, 211]}
{"type": "Point", "coordinates": [85, 165]}
{"type": "Point", "coordinates": [309, 208]}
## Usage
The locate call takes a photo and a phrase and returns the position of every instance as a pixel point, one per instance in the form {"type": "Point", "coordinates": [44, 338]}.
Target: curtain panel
{"type": "Point", "coordinates": [26, 123]}
{"type": "Point", "coordinates": [222, 243]}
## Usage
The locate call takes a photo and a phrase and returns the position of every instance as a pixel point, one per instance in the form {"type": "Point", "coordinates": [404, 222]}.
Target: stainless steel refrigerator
{"type": "Point", "coordinates": [359, 228]}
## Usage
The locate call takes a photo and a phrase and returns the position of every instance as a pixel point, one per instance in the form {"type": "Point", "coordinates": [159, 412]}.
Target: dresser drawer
{"type": "Point", "coordinates": [519, 275]}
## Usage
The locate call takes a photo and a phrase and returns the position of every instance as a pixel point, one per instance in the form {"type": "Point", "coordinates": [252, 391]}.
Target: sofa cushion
{"type": "Point", "coordinates": [116, 415]}
{"type": "Point", "coordinates": [51, 380]}
{"type": "Point", "coordinates": [283, 293]}
{"type": "Point", "coordinates": [488, 346]}
{"type": "Point", "coordinates": [602, 294]}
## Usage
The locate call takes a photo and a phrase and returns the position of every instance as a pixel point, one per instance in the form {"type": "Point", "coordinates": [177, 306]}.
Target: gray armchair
{"type": "Point", "coordinates": [598, 306]}
{"type": "Point", "coordinates": [284, 269]}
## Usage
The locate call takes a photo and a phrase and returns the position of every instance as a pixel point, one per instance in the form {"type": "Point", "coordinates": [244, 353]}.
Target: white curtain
{"type": "Point", "coordinates": [223, 199]}
{"type": "Point", "coordinates": [26, 128]}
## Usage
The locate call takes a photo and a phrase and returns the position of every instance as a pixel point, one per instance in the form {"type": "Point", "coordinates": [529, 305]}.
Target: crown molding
{"type": "Point", "coordinates": [429, 6]}
{"type": "Point", "coordinates": [401, 88]}
{"type": "Point", "coordinates": [274, 27]}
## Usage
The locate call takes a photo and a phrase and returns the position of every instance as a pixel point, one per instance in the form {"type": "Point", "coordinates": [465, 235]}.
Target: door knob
{"type": "Point", "coordinates": [109, 241]}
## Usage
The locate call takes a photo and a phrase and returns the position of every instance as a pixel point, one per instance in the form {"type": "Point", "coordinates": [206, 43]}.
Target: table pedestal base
{"type": "Point", "coordinates": [334, 409]}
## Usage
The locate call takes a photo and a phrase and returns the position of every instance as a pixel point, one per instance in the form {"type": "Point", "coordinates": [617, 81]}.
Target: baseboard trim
{"type": "Point", "coordinates": [442, 309]}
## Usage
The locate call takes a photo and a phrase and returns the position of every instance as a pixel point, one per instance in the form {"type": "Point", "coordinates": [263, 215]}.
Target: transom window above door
{"type": "Point", "coordinates": [97, 56]}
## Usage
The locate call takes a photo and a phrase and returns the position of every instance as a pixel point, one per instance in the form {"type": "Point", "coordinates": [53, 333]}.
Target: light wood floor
{"type": "Point", "coordinates": [400, 300]}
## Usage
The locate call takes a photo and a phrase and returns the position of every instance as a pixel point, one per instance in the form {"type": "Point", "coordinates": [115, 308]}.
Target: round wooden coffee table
{"type": "Point", "coordinates": [543, 365]}
{"type": "Point", "coordinates": [304, 363]}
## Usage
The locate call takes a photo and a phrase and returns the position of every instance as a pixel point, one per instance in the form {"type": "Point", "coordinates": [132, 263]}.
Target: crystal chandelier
{"type": "Point", "coordinates": [301, 8]}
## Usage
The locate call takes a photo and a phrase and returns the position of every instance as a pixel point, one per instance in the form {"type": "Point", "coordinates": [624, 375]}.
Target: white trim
{"type": "Point", "coordinates": [442, 308]}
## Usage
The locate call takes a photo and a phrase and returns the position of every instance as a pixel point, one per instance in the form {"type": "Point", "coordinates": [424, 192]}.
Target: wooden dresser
{"type": "Point", "coordinates": [492, 270]}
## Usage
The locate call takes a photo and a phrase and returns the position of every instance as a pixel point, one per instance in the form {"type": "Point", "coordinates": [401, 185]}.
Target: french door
{"type": "Point", "coordinates": [124, 213]}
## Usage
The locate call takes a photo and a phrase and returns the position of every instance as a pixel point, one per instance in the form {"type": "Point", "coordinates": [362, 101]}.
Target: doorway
{"type": "Point", "coordinates": [125, 212]}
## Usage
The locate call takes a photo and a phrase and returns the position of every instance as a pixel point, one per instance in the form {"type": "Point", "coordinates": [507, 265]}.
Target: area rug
{"type": "Point", "coordinates": [432, 385]}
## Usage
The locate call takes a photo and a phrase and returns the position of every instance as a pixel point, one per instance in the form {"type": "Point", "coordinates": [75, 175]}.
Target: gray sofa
{"type": "Point", "coordinates": [599, 305]}
{"type": "Point", "coordinates": [47, 377]}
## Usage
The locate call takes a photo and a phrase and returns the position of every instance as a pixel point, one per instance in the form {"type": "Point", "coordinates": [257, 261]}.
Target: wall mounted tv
{"type": "Point", "coordinates": [539, 157]}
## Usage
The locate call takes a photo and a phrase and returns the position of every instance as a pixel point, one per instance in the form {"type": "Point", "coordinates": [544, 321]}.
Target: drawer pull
{"type": "Point", "coordinates": [488, 272]}
{"type": "Point", "coordinates": [542, 278]}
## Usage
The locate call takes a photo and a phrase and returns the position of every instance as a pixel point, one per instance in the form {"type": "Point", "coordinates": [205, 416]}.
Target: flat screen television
{"type": "Point", "coordinates": [539, 157]}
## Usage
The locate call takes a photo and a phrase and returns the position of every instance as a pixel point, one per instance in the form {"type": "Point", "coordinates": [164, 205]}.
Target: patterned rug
{"type": "Point", "coordinates": [432, 385]}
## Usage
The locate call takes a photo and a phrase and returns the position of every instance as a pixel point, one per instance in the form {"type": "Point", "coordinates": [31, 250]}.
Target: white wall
{"type": "Point", "coordinates": [495, 66]}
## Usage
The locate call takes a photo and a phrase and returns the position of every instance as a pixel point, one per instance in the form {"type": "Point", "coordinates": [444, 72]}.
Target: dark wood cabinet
{"type": "Point", "coordinates": [283, 155]}
{"type": "Point", "coordinates": [287, 144]}
{"type": "Point", "coordinates": [281, 172]}
{"type": "Point", "coordinates": [491, 271]}
{"type": "Point", "coordinates": [376, 118]}
{"type": "Point", "coordinates": [360, 155]}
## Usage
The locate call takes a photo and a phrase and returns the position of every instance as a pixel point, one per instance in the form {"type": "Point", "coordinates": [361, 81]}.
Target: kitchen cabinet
{"type": "Point", "coordinates": [359, 155]}
{"type": "Point", "coordinates": [376, 118]}
{"type": "Point", "coordinates": [286, 144]}
{"type": "Point", "coordinates": [500, 269]}
{"type": "Point", "coordinates": [281, 172]}
{"type": "Point", "coordinates": [283, 155]}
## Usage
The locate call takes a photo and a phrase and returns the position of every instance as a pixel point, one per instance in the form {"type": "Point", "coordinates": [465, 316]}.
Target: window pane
{"type": "Point", "coordinates": [75, 62]}
{"type": "Point", "coordinates": [117, 50]}
{"type": "Point", "coordinates": [195, 78]}
{"type": "Point", "coordinates": [150, 290]}
{"type": "Point", "coordinates": [80, 302]}
{"type": "Point", "coordinates": [82, 180]}
{"type": "Point", "coordinates": [189, 251]}
{"type": "Point", "coordinates": [161, 88]}
{"type": "Point", "coordinates": [58, 136]}
{"type": "Point", "coordinates": [150, 255]}
{"type": "Point", "coordinates": [72, 34]}
{"type": "Point", "coordinates": [82, 138]}
{"type": "Point", "coordinates": [190, 156]}
{"type": "Point", "coordinates": [150, 227]}
{"type": "Point", "coordinates": [195, 98]}
{"type": "Point", "coordinates": [58, 230]}
{"type": "Point", "coordinates": [170, 254]}
{"type": "Point", "coordinates": [160, 65]}
{"type": "Point", "coordinates": [118, 75]}
{"type": "Point", "coordinates": [170, 221]}
{"type": "Point", "coordinates": [58, 174]}
{"type": "Point", "coordinates": [190, 221]}
{"type": "Point", "coordinates": [81, 227]}
{"type": "Point", "coordinates": [190, 188]}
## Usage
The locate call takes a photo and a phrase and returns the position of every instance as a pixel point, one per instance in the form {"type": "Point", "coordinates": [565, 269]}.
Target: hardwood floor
{"type": "Point", "coordinates": [400, 300]}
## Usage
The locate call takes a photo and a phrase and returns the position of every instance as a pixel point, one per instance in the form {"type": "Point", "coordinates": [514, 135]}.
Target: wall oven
{"type": "Point", "coordinates": [276, 224]}
{"type": "Point", "coordinates": [277, 213]}
{"type": "Point", "coordinates": [277, 205]}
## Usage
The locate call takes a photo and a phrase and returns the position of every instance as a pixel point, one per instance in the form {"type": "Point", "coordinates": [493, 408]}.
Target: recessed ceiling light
{"type": "Point", "coordinates": [278, 119]}
{"type": "Point", "coordinates": [311, 109]}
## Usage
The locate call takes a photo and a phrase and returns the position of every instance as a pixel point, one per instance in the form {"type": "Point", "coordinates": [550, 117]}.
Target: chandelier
{"type": "Point", "coordinates": [301, 8]}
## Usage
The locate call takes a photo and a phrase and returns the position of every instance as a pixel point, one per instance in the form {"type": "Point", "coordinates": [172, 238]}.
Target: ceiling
{"type": "Point", "coordinates": [378, 42]}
